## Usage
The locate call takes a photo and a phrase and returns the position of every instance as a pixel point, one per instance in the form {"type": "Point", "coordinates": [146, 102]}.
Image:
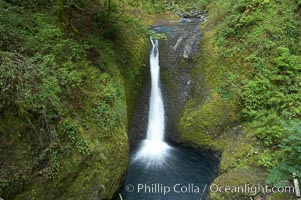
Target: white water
{"type": "Point", "coordinates": [154, 147]}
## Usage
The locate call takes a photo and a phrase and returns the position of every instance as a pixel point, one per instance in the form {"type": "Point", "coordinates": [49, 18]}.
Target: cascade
{"type": "Point", "coordinates": [154, 147]}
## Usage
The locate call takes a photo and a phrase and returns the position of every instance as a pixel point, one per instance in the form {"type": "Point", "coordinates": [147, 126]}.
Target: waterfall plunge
{"type": "Point", "coordinates": [156, 119]}
{"type": "Point", "coordinates": [153, 147]}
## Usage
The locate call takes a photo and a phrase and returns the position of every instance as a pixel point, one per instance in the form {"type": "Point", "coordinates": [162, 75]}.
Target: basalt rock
{"type": "Point", "coordinates": [201, 14]}
{"type": "Point", "coordinates": [177, 60]}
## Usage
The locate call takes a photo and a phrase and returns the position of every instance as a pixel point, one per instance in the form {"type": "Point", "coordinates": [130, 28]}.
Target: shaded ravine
{"type": "Point", "coordinates": [183, 173]}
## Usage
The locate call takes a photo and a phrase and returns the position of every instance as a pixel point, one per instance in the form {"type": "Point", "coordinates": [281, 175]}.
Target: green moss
{"type": "Point", "coordinates": [236, 74]}
{"type": "Point", "coordinates": [212, 120]}
{"type": "Point", "coordinates": [203, 125]}
{"type": "Point", "coordinates": [281, 196]}
{"type": "Point", "coordinates": [97, 176]}
{"type": "Point", "coordinates": [208, 116]}
{"type": "Point", "coordinates": [238, 178]}
{"type": "Point", "coordinates": [240, 151]}
{"type": "Point", "coordinates": [245, 184]}
{"type": "Point", "coordinates": [68, 112]}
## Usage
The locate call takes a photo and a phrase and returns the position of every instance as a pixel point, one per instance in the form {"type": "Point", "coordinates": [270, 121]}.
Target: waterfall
{"type": "Point", "coordinates": [155, 130]}
{"type": "Point", "coordinates": [154, 147]}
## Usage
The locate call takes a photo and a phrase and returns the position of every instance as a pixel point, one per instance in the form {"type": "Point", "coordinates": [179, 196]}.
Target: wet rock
{"type": "Point", "coordinates": [185, 20]}
{"type": "Point", "coordinates": [176, 62]}
{"type": "Point", "coordinates": [138, 123]}
{"type": "Point", "coordinates": [193, 14]}
{"type": "Point", "coordinates": [187, 51]}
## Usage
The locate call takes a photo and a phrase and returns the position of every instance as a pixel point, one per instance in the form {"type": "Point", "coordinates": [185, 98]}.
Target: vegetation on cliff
{"type": "Point", "coordinates": [69, 73]}
{"type": "Point", "coordinates": [248, 107]}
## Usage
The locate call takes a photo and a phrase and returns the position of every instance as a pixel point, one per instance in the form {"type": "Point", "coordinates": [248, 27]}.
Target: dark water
{"type": "Point", "coordinates": [185, 174]}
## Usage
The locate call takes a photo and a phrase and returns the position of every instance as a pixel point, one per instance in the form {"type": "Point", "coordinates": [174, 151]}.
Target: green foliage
{"type": "Point", "coordinates": [72, 131]}
{"type": "Point", "coordinates": [272, 96]}
{"type": "Point", "coordinates": [105, 119]}
{"type": "Point", "coordinates": [44, 84]}
{"type": "Point", "coordinates": [225, 87]}
{"type": "Point", "coordinates": [267, 159]}
{"type": "Point", "coordinates": [266, 68]}
{"type": "Point", "coordinates": [31, 3]}
{"type": "Point", "coordinates": [3, 184]}
{"type": "Point", "coordinates": [269, 129]}
{"type": "Point", "coordinates": [53, 168]}
{"type": "Point", "coordinates": [28, 85]}
{"type": "Point", "coordinates": [290, 157]}
{"type": "Point", "coordinates": [63, 90]}
{"type": "Point", "coordinates": [157, 36]}
{"type": "Point", "coordinates": [258, 53]}
{"type": "Point", "coordinates": [108, 18]}
{"type": "Point", "coordinates": [69, 70]}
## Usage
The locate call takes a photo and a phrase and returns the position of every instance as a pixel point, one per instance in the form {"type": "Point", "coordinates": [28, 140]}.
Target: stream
{"type": "Point", "coordinates": [158, 168]}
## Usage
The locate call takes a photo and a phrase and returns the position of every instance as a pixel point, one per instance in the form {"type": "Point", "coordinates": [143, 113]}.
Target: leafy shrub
{"type": "Point", "coordinates": [30, 86]}
{"type": "Point", "coordinates": [290, 157]}
{"type": "Point", "coordinates": [259, 41]}
{"type": "Point", "coordinates": [272, 96]}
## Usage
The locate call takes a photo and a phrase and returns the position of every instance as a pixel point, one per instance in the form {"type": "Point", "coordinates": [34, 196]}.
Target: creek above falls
{"type": "Point", "coordinates": [159, 169]}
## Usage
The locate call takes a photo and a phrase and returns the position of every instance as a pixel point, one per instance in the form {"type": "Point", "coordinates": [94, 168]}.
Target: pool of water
{"type": "Point", "coordinates": [184, 174]}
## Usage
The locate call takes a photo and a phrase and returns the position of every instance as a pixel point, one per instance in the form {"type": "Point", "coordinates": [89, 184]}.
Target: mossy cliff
{"type": "Point", "coordinates": [207, 116]}
{"type": "Point", "coordinates": [231, 110]}
{"type": "Point", "coordinates": [70, 72]}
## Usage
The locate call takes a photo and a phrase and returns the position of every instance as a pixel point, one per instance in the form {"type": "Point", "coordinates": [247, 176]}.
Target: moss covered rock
{"type": "Point", "coordinates": [205, 124]}
{"type": "Point", "coordinates": [211, 120]}
{"type": "Point", "coordinates": [208, 116]}
{"type": "Point", "coordinates": [242, 183]}
{"type": "Point", "coordinates": [64, 121]}
{"type": "Point", "coordinates": [281, 196]}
